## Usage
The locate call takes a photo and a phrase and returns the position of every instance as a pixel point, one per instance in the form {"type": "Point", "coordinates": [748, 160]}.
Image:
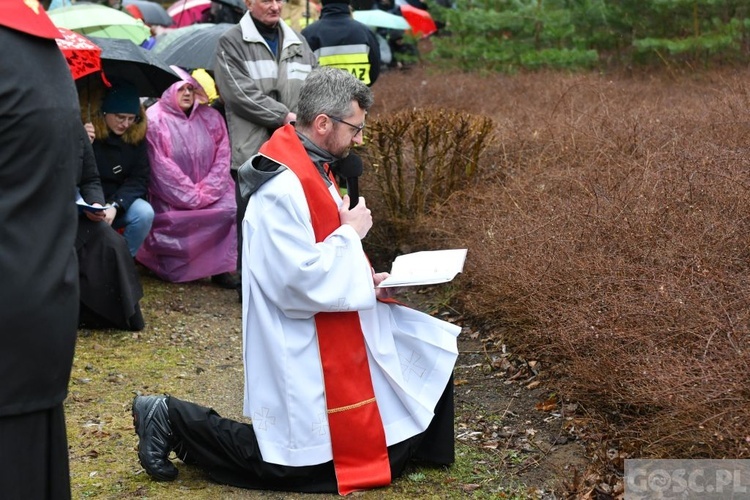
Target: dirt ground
{"type": "Point", "coordinates": [504, 409]}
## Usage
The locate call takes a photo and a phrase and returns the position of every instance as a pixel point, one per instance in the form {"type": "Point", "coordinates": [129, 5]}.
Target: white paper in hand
{"type": "Point", "coordinates": [85, 207]}
{"type": "Point", "coordinates": [425, 268]}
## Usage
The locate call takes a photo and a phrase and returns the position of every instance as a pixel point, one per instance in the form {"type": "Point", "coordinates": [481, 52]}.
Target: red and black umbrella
{"type": "Point", "coordinates": [82, 55]}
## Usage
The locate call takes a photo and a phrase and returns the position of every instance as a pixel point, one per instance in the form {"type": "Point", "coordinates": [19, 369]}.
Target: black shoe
{"type": "Point", "coordinates": [151, 421]}
{"type": "Point", "coordinates": [225, 280]}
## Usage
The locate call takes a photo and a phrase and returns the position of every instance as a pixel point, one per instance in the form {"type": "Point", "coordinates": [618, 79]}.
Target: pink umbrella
{"type": "Point", "coordinates": [187, 12]}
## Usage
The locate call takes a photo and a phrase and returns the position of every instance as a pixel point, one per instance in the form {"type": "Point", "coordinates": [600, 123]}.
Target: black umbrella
{"type": "Point", "coordinates": [227, 11]}
{"type": "Point", "coordinates": [122, 59]}
{"type": "Point", "coordinates": [153, 13]}
{"type": "Point", "coordinates": [237, 5]}
{"type": "Point", "coordinates": [193, 46]}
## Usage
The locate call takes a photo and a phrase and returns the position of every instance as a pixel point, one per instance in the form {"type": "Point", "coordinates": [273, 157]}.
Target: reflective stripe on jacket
{"type": "Point", "coordinates": [338, 40]}
{"type": "Point", "coordinates": [352, 58]}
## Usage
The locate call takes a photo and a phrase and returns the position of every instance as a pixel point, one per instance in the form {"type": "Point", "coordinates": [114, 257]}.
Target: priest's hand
{"type": "Point", "coordinates": [382, 293]}
{"type": "Point", "coordinates": [358, 217]}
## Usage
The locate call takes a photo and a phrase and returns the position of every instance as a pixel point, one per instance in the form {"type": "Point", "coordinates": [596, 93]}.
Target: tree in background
{"type": "Point", "coordinates": [507, 35]}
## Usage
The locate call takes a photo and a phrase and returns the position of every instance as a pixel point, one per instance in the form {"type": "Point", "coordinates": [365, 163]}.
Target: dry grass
{"type": "Point", "coordinates": [610, 232]}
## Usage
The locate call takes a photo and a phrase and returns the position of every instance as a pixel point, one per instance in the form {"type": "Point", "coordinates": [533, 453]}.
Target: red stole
{"type": "Point", "coordinates": [360, 455]}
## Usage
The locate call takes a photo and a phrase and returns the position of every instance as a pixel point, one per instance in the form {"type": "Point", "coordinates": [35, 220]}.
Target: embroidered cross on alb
{"type": "Point", "coordinates": [341, 305]}
{"type": "Point", "coordinates": [321, 426]}
{"type": "Point", "coordinates": [411, 366]}
{"type": "Point", "coordinates": [262, 419]}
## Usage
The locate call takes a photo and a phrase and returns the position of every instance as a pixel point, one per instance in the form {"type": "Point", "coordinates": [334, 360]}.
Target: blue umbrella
{"type": "Point", "coordinates": [380, 19]}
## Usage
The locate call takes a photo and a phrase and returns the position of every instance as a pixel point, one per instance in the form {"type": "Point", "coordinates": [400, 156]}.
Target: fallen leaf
{"type": "Point", "coordinates": [548, 405]}
{"type": "Point", "coordinates": [501, 364]}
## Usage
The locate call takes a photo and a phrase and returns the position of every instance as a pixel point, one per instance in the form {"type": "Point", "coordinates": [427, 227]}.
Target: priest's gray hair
{"type": "Point", "coordinates": [330, 91]}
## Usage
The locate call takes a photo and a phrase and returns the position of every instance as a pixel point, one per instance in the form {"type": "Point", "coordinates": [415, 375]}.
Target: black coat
{"type": "Point", "coordinates": [89, 184]}
{"type": "Point", "coordinates": [110, 287]}
{"type": "Point", "coordinates": [41, 148]}
{"type": "Point", "coordinates": [123, 169]}
{"type": "Point", "coordinates": [336, 27]}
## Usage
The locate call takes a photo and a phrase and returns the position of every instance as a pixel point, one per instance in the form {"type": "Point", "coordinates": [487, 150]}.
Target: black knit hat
{"type": "Point", "coordinates": [121, 97]}
{"type": "Point", "coordinates": [326, 2]}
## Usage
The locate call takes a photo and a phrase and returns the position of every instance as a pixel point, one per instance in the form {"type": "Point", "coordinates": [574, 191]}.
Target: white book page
{"type": "Point", "coordinates": [425, 268]}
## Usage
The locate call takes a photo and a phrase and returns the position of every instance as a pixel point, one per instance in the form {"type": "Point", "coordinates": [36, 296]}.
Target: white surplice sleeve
{"type": "Point", "coordinates": [298, 275]}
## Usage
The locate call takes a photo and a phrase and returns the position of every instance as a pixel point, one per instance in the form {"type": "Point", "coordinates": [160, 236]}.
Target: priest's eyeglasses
{"type": "Point", "coordinates": [357, 128]}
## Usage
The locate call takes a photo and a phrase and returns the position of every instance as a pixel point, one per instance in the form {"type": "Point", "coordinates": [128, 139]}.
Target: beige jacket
{"type": "Point", "coordinates": [258, 91]}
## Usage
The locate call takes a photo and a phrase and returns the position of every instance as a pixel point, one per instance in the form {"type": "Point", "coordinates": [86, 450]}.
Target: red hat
{"type": "Point", "coordinates": [28, 16]}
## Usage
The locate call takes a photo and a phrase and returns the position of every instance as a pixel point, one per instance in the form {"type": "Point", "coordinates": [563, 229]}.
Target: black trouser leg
{"type": "Point", "coordinates": [241, 207]}
{"type": "Point", "coordinates": [228, 451]}
{"type": "Point", "coordinates": [438, 440]}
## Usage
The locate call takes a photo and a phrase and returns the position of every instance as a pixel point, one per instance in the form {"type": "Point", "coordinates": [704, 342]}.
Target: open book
{"type": "Point", "coordinates": [425, 268]}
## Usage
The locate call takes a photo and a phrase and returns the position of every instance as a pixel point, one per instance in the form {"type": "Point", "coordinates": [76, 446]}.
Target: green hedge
{"type": "Point", "coordinates": [508, 35]}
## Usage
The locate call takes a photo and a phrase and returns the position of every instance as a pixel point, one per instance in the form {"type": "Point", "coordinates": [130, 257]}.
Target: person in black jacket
{"type": "Point", "coordinates": [41, 147]}
{"type": "Point", "coordinates": [340, 41]}
{"type": "Point", "coordinates": [121, 157]}
{"type": "Point", "coordinates": [110, 286]}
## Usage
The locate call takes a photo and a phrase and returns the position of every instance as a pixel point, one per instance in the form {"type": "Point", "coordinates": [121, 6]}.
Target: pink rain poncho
{"type": "Point", "coordinates": [194, 233]}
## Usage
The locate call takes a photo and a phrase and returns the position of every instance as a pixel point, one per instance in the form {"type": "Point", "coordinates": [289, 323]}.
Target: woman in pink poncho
{"type": "Point", "coordinates": [194, 231]}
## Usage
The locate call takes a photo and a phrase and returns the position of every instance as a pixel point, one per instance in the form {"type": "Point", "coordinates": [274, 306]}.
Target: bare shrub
{"type": "Point", "coordinates": [617, 248]}
{"type": "Point", "coordinates": [418, 158]}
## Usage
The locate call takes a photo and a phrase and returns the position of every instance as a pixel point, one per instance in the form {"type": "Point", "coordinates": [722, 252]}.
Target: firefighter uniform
{"type": "Point", "coordinates": [338, 40]}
